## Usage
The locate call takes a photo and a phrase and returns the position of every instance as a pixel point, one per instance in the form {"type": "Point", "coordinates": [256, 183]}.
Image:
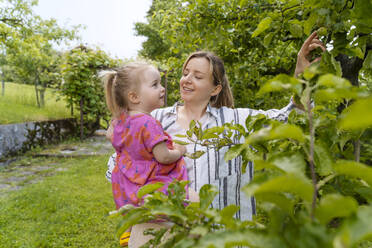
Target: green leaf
{"type": "Point", "coordinates": [325, 95]}
{"type": "Point", "coordinates": [295, 29]}
{"type": "Point", "coordinates": [354, 169]}
{"type": "Point", "coordinates": [283, 131]}
{"type": "Point", "coordinates": [310, 23]}
{"type": "Point", "coordinates": [206, 194]}
{"type": "Point", "coordinates": [194, 155]}
{"type": "Point", "coordinates": [330, 65]}
{"type": "Point", "coordinates": [368, 61]}
{"type": "Point", "coordinates": [358, 116]}
{"type": "Point", "coordinates": [199, 230]}
{"type": "Point", "coordinates": [356, 229]}
{"type": "Point", "coordinates": [267, 39]}
{"type": "Point", "coordinates": [330, 80]}
{"type": "Point", "coordinates": [180, 135]}
{"type": "Point", "coordinates": [262, 26]}
{"type": "Point", "coordinates": [233, 152]}
{"type": "Point", "coordinates": [322, 159]}
{"type": "Point", "coordinates": [250, 238]}
{"type": "Point", "coordinates": [281, 82]}
{"type": "Point", "coordinates": [192, 125]}
{"type": "Point", "coordinates": [287, 131]}
{"type": "Point", "coordinates": [169, 210]}
{"type": "Point", "coordinates": [334, 205]}
{"type": "Point", "coordinates": [209, 136]}
{"type": "Point", "coordinates": [149, 188]}
{"type": "Point", "coordinates": [290, 163]}
{"type": "Point", "coordinates": [279, 199]}
{"type": "Point", "coordinates": [133, 217]}
{"type": "Point", "coordinates": [290, 183]}
{"type": "Point", "coordinates": [180, 142]}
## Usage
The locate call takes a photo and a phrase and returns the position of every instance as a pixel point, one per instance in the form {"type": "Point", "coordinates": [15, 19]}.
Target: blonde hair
{"type": "Point", "coordinates": [225, 97]}
{"type": "Point", "coordinates": [117, 84]}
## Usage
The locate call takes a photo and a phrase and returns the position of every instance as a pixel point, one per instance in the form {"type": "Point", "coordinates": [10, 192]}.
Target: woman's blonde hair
{"type": "Point", "coordinates": [117, 84]}
{"type": "Point", "coordinates": [225, 97]}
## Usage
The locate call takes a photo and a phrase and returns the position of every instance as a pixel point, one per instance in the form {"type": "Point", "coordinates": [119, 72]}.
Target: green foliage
{"type": "Point", "coordinates": [26, 45]}
{"type": "Point", "coordinates": [311, 182]}
{"type": "Point", "coordinates": [256, 39]}
{"type": "Point", "coordinates": [306, 180]}
{"type": "Point", "coordinates": [81, 86]}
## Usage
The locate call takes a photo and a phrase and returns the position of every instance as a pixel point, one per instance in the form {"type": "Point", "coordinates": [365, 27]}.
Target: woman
{"type": "Point", "coordinates": [207, 98]}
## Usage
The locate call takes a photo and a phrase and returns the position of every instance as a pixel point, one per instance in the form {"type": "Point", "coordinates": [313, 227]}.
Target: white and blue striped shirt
{"type": "Point", "coordinates": [211, 167]}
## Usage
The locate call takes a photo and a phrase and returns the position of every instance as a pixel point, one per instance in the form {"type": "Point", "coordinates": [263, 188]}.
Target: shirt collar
{"type": "Point", "coordinates": [210, 110]}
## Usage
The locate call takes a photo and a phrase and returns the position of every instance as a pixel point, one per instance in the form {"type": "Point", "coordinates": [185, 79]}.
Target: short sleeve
{"type": "Point", "coordinates": [152, 133]}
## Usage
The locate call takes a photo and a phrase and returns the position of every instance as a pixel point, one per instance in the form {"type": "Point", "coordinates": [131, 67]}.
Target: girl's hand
{"type": "Point", "coordinates": [110, 132]}
{"type": "Point", "coordinates": [180, 148]}
{"type": "Point", "coordinates": [303, 60]}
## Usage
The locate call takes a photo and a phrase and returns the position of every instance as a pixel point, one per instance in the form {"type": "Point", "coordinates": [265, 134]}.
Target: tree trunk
{"type": "Point", "coordinates": [36, 90]}
{"type": "Point", "coordinates": [2, 85]}
{"type": "Point", "coordinates": [72, 109]}
{"type": "Point", "coordinates": [81, 118]}
{"type": "Point", "coordinates": [37, 95]}
{"type": "Point", "coordinates": [42, 98]}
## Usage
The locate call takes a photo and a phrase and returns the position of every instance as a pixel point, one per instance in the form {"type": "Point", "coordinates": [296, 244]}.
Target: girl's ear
{"type": "Point", "coordinates": [133, 97]}
{"type": "Point", "coordinates": [216, 90]}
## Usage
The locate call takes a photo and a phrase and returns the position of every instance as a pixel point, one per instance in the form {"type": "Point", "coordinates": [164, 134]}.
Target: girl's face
{"type": "Point", "coordinates": [151, 92]}
{"type": "Point", "coordinates": [196, 84]}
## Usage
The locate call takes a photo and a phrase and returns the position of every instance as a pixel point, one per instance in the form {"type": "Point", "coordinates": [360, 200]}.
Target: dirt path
{"type": "Point", "coordinates": [38, 164]}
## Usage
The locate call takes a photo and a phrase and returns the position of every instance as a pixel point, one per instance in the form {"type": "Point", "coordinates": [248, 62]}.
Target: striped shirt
{"type": "Point", "coordinates": [211, 167]}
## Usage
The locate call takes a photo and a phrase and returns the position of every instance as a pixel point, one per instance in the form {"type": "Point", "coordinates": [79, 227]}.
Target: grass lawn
{"type": "Point", "coordinates": [19, 105]}
{"type": "Point", "coordinates": [68, 208]}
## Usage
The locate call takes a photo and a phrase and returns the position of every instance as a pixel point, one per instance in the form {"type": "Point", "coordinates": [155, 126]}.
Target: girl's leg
{"type": "Point", "coordinates": [193, 196]}
{"type": "Point", "coordinates": [137, 238]}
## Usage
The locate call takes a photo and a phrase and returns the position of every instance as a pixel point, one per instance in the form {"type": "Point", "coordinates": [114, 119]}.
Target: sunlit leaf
{"type": "Point", "coordinates": [354, 169]}
{"type": "Point", "coordinates": [149, 188]}
{"type": "Point", "coordinates": [262, 26]}
{"type": "Point", "coordinates": [290, 183]}
{"type": "Point", "coordinates": [333, 205]}
{"type": "Point", "coordinates": [357, 116]}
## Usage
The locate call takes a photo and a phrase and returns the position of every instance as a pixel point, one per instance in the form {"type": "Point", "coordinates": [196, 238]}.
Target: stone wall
{"type": "Point", "coordinates": [16, 138]}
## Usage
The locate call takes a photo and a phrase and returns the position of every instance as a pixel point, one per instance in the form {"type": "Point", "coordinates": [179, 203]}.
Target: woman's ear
{"type": "Point", "coordinates": [216, 90]}
{"type": "Point", "coordinates": [133, 97]}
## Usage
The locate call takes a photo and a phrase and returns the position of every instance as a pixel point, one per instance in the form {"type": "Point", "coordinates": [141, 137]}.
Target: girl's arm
{"type": "Point", "coordinates": [165, 156]}
{"type": "Point", "coordinates": [110, 132]}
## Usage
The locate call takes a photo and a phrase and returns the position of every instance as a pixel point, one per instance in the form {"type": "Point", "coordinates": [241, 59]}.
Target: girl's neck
{"type": "Point", "coordinates": [137, 111]}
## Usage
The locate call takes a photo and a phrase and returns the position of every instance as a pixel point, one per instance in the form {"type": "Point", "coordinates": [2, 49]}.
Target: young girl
{"type": "Point", "coordinates": [145, 153]}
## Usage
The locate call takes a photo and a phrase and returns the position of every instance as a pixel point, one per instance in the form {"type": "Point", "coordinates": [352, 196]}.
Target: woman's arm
{"type": "Point", "coordinates": [165, 156]}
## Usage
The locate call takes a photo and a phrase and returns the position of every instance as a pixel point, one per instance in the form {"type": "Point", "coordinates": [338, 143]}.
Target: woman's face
{"type": "Point", "coordinates": [196, 84]}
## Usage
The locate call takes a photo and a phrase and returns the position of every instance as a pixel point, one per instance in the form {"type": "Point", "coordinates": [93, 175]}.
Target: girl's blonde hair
{"type": "Point", "coordinates": [117, 84]}
{"type": "Point", "coordinates": [225, 97]}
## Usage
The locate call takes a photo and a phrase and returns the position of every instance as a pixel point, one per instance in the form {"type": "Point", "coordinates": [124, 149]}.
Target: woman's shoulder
{"type": "Point", "coordinates": [161, 113]}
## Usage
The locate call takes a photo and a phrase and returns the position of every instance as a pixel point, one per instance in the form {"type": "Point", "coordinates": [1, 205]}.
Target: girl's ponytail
{"type": "Point", "coordinates": [108, 79]}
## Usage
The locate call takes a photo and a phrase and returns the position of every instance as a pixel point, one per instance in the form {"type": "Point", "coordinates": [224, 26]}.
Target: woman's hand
{"type": "Point", "coordinates": [303, 57]}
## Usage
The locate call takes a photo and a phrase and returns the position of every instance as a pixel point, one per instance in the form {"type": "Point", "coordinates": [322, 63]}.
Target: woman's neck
{"type": "Point", "coordinates": [193, 111]}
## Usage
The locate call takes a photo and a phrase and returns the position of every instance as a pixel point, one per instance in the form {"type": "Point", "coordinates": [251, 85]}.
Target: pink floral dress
{"type": "Point", "coordinates": [133, 139]}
